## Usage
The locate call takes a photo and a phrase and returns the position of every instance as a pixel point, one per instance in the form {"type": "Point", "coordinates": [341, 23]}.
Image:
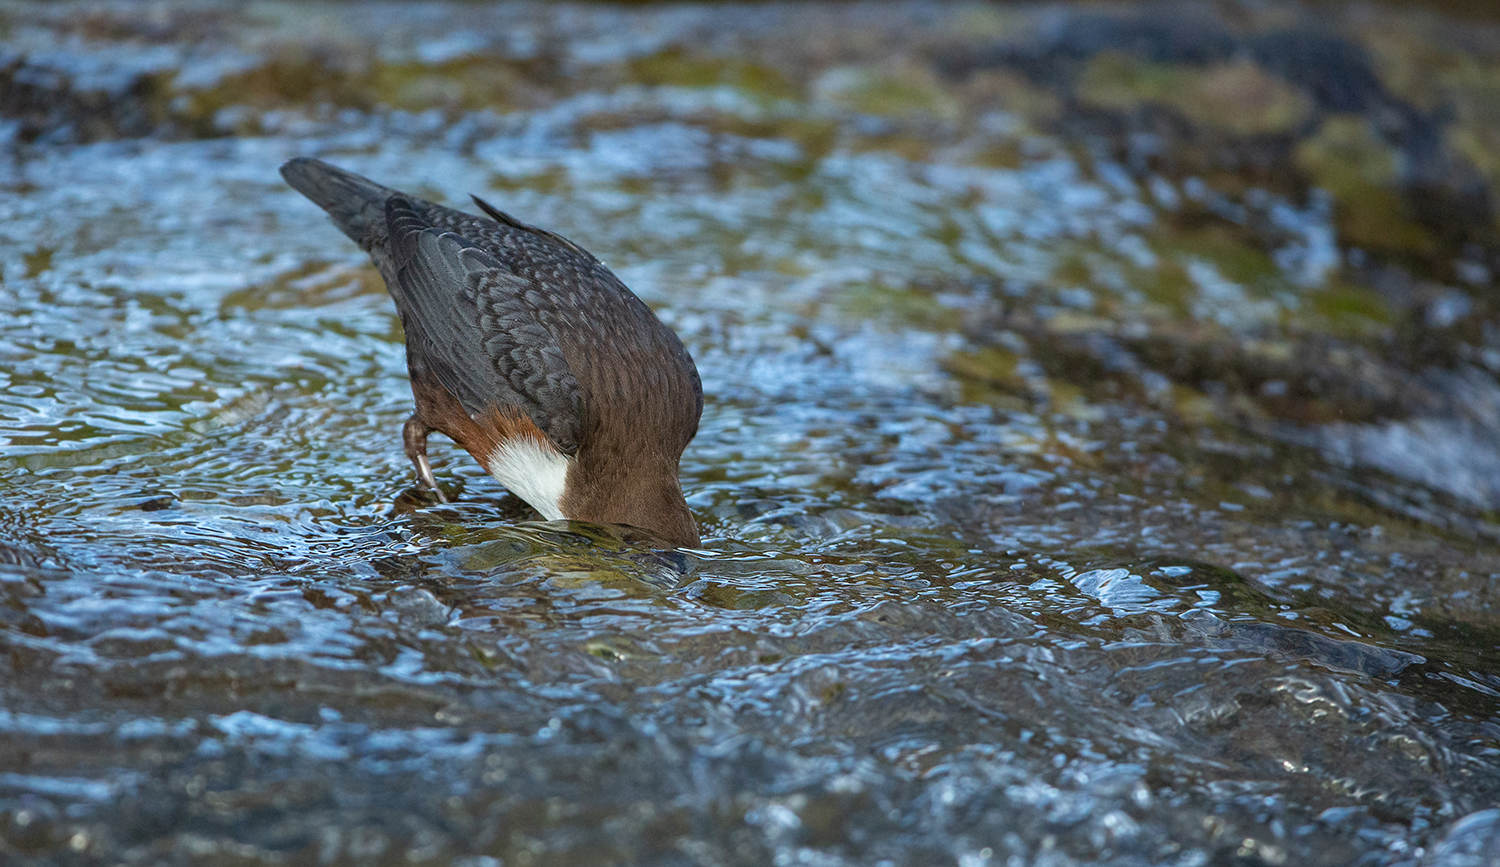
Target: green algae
{"type": "Point", "coordinates": [1350, 160]}
{"type": "Point", "coordinates": [1168, 286]}
{"type": "Point", "coordinates": [815, 137]}
{"type": "Point", "coordinates": [1022, 108]}
{"type": "Point", "coordinates": [38, 261]}
{"type": "Point", "coordinates": [1162, 287]}
{"type": "Point", "coordinates": [1343, 309]}
{"type": "Point", "coordinates": [295, 76]}
{"type": "Point", "coordinates": [457, 86]}
{"type": "Point", "coordinates": [908, 93]}
{"type": "Point", "coordinates": [987, 372]}
{"type": "Point", "coordinates": [1335, 307]}
{"type": "Point", "coordinates": [1447, 77]}
{"type": "Point", "coordinates": [1230, 249]}
{"type": "Point", "coordinates": [300, 76]}
{"type": "Point", "coordinates": [1238, 98]}
{"type": "Point", "coordinates": [679, 67]}
{"type": "Point", "coordinates": [1414, 60]}
{"type": "Point", "coordinates": [1475, 132]}
{"type": "Point", "coordinates": [909, 306]}
{"type": "Point", "coordinates": [552, 181]}
{"type": "Point", "coordinates": [1072, 268]}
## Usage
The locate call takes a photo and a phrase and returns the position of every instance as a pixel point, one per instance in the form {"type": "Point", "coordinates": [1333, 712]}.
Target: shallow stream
{"type": "Point", "coordinates": [1064, 501]}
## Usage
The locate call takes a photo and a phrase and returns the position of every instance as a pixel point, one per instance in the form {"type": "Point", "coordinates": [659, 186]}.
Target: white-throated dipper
{"type": "Point", "coordinates": [527, 352]}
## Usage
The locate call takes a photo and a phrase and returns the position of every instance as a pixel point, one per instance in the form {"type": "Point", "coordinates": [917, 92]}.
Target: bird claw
{"type": "Point", "coordinates": [425, 478]}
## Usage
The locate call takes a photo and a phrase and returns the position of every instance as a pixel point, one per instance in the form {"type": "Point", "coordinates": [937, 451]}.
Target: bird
{"type": "Point", "coordinates": [529, 353]}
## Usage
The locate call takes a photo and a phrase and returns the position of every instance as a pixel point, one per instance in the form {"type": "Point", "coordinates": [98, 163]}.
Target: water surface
{"type": "Point", "coordinates": [1060, 505]}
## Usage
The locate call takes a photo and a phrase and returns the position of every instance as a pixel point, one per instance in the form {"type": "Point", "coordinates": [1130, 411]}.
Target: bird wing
{"type": "Point", "coordinates": [481, 326]}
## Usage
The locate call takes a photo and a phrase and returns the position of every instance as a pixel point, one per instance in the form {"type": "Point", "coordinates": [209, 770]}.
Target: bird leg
{"type": "Point", "coordinates": [414, 437]}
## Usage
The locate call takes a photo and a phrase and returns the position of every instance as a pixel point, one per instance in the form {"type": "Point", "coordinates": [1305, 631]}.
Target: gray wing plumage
{"type": "Point", "coordinates": [482, 335]}
{"type": "Point", "coordinates": [481, 325]}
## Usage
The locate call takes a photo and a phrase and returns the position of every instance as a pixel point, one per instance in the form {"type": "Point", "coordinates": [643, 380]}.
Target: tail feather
{"type": "Point", "coordinates": [354, 202]}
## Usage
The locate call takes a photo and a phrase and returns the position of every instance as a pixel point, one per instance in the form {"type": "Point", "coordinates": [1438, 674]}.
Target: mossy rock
{"type": "Point", "coordinates": [1012, 92]}
{"type": "Point", "coordinates": [293, 75]}
{"type": "Point", "coordinates": [307, 76]}
{"type": "Point", "coordinates": [1231, 251]}
{"type": "Point", "coordinates": [678, 67]}
{"type": "Point", "coordinates": [899, 92]}
{"type": "Point", "coordinates": [986, 371]}
{"type": "Point", "coordinates": [1237, 98]}
{"type": "Point", "coordinates": [904, 306]}
{"type": "Point", "coordinates": [1342, 309]}
{"type": "Point", "coordinates": [1361, 170]}
{"type": "Point", "coordinates": [1414, 63]}
{"type": "Point", "coordinates": [1475, 131]}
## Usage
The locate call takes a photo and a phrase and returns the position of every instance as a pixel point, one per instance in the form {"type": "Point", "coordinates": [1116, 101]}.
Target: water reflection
{"type": "Point", "coordinates": [1040, 524]}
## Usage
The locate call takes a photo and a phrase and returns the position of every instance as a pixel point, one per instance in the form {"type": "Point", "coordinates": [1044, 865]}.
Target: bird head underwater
{"type": "Point", "coordinates": [526, 351]}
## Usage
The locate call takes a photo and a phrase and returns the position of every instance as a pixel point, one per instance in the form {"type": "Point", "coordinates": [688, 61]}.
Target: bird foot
{"type": "Point", "coordinates": [426, 479]}
{"type": "Point", "coordinates": [414, 438]}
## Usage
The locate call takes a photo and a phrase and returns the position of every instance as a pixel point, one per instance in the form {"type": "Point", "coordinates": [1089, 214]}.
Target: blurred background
{"type": "Point", "coordinates": [1100, 461]}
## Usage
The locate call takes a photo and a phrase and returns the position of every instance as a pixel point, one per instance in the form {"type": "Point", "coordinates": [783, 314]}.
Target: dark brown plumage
{"type": "Point", "coordinates": [529, 353]}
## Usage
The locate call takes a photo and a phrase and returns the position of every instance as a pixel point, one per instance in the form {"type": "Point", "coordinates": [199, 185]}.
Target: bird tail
{"type": "Point", "coordinates": [354, 202]}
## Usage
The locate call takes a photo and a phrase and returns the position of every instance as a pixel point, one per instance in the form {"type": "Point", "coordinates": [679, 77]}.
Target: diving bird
{"type": "Point", "coordinates": [527, 352]}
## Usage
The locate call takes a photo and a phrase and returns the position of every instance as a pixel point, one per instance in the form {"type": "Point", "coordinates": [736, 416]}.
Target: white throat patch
{"type": "Point", "coordinates": [532, 471]}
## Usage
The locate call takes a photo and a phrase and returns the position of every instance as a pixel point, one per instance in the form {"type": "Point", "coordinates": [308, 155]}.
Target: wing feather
{"type": "Point", "coordinates": [484, 335]}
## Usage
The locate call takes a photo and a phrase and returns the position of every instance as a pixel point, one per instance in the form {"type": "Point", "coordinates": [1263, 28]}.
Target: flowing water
{"type": "Point", "coordinates": [1056, 509]}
